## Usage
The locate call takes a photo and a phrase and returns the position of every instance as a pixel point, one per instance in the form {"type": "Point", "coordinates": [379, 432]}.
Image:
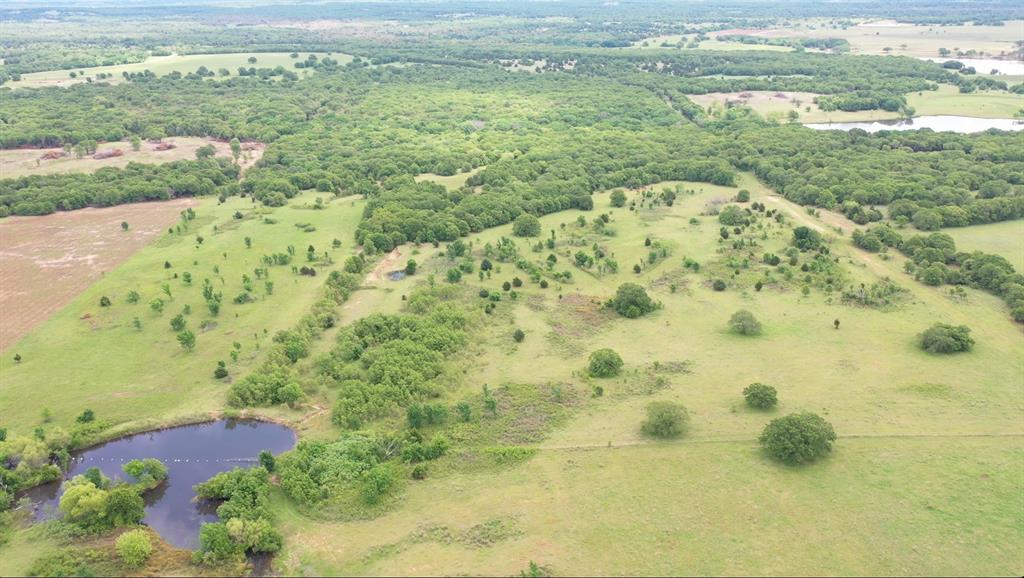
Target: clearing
{"type": "Point", "coordinates": [22, 162]}
{"type": "Point", "coordinates": [49, 260]}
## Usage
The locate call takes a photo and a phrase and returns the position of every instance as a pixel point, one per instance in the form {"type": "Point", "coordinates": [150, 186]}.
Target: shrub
{"type": "Point", "coordinates": [618, 198]}
{"type": "Point", "coordinates": [518, 335]}
{"type": "Point", "coordinates": [631, 301]}
{"type": "Point", "coordinates": [526, 225]}
{"type": "Point", "coordinates": [410, 267]}
{"type": "Point", "coordinates": [605, 363]}
{"type": "Point", "coordinates": [134, 548]}
{"type": "Point", "coordinates": [718, 285]}
{"type": "Point", "coordinates": [104, 301]}
{"type": "Point", "coordinates": [798, 438]}
{"type": "Point", "coordinates": [744, 323]}
{"type": "Point", "coordinates": [760, 395]}
{"type": "Point", "coordinates": [665, 419]}
{"type": "Point", "coordinates": [942, 338]}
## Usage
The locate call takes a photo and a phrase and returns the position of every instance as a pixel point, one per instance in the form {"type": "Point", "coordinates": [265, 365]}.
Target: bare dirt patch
{"type": "Point", "coordinates": [46, 261]}
{"type": "Point", "coordinates": [21, 162]}
{"type": "Point", "coordinates": [386, 265]}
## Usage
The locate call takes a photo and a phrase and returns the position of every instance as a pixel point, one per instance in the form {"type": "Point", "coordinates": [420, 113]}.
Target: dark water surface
{"type": "Point", "coordinates": [192, 454]}
{"type": "Point", "coordinates": [938, 123]}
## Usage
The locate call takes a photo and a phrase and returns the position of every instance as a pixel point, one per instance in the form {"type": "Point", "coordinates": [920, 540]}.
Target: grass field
{"type": "Point", "coordinates": [1005, 239]}
{"type": "Point", "coordinates": [947, 100]}
{"type": "Point", "coordinates": [16, 163]}
{"type": "Point", "coordinates": [183, 63]}
{"type": "Point", "coordinates": [925, 466]}
{"type": "Point", "coordinates": [451, 182]}
{"type": "Point", "coordinates": [874, 37]}
{"type": "Point", "coordinates": [128, 375]}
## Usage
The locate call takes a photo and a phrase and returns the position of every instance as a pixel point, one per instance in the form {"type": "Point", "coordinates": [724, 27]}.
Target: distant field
{"type": "Point", "coordinates": [183, 63]}
{"type": "Point", "coordinates": [672, 39]}
{"type": "Point", "coordinates": [16, 163]}
{"type": "Point", "coordinates": [905, 39]}
{"type": "Point", "coordinates": [945, 101]}
{"type": "Point", "coordinates": [1005, 239]}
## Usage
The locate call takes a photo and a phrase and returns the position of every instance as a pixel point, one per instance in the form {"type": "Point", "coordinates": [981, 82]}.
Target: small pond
{"type": "Point", "coordinates": [192, 454]}
{"type": "Point", "coordinates": [940, 123]}
{"type": "Point", "coordinates": [987, 65]}
{"type": "Point", "coordinates": [396, 275]}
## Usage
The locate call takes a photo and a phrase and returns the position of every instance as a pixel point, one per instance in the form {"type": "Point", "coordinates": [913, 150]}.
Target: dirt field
{"type": "Point", "coordinates": [46, 261]}
{"type": "Point", "coordinates": [16, 163]}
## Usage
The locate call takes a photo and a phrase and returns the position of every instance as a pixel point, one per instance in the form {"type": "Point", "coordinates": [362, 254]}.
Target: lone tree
{"type": "Point", "coordinates": [518, 335]}
{"type": "Point", "coordinates": [124, 225]}
{"type": "Point", "coordinates": [942, 338]}
{"type": "Point", "coordinates": [605, 363]}
{"type": "Point", "coordinates": [526, 225]}
{"type": "Point", "coordinates": [631, 301]}
{"type": "Point", "coordinates": [798, 438]}
{"type": "Point", "coordinates": [665, 419]}
{"type": "Point", "coordinates": [760, 395]}
{"type": "Point", "coordinates": [836, 323]}
{"type": "Point", "coordinates": [187, 340]}
{"type": "Point", "coordinates": [743, 322]}
{"type": "Point", "coordinates": [410, 267]}
{"type": "Point", "coordinates": [618, 198]}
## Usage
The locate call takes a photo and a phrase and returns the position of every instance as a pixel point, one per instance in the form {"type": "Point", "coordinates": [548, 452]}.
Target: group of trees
{"type": "Point", "coordinates": [95, 503]}
{"type": "Point", "coordinates": [935, 261]}
{"type": "Point", "coordinates": [245, 518]}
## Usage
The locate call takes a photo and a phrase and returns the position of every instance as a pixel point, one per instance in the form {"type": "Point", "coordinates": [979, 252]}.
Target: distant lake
{"type": "Point", "coordinates": [986, 65]}
{"type": "Point", "coordinates": [192, 454]}
{"type": "Point", "coordinates": [939, 123]}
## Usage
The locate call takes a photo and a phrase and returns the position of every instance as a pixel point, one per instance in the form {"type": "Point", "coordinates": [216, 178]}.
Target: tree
{"type": "Point", "coordinates": [526, 225]}
{"type": "Point", "coordinates": [136, 143]}
{"type": "Point", "coordinates": [86, 417]}
{"type": "Point", "coordinates": [618, 198]}
{"type": "Point", "coordinates": [718, 285]}
{"type": "Point", "coordinates": [665, 419]}
{"type": "Point", "coordinates": [743, 322]}
{"type": "Point", "coordinates": [631, 301]}
{"type": "Point", "coordinates": [518, 335]}
{"type": "Point", "coordinates": [157, 305]}
{"type": "Point", "coordinates": [124, 506]}
{"type": "Point", "coordinates": [267, 461]}
{"type": "Point", "coordinates": [134, 548]}
{"type": "Point", "coordinates": [605, 363]}
{"type": "Point", "coordinates": [943, 338]}
{"type": "Point", "coordinates": [104, 301]}
{"type": "Point", "coordinates": [806, 239]}
{"type": "Point", "coordinates": [760, 395]}
{"type": "Point", "coordinates": [743, 196]}
{"type": "Point", "coordinates": [236, 148]}
{"type": "Point", "coordinates": [124, 225]}
{"type": "Point", "coordinates": [221, 371]}
{"type": "Point", "coordinates": [410, 267]}
{"type": "Point", "coordinates": [178, 322]}
{"type": "Point", "coordinates": [206, 151]}
{"type": "Point", "coordinates": [187, 340]}
{"type": "Point", "coordinates": [798, 438]}
{"type": "Point", "coordinates": [454, 275]}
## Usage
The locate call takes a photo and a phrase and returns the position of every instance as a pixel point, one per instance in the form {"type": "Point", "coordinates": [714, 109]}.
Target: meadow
{"type": "Point", "coordinates": [163, 65]}
{"type": "Point", "coordinates": [143, 375]}
{"type": "Point", "coordinates": [947, 100]}
{"type": "Point", "coordinates": [598, 495]}
{"type": "Point", "coordinates": [1002, 239]}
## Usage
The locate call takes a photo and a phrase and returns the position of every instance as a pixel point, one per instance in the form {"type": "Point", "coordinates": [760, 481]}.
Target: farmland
{"type": "Point", "coordinates": [531, 289]}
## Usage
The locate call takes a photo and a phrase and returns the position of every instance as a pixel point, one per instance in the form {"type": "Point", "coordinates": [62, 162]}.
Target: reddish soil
{"type": "Point", "coordinates": [45, 262]}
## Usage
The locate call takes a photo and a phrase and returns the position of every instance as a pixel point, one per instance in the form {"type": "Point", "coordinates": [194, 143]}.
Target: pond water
{"type": "Point", "coordinates": [939, 123]}
{"type": "Point", "coordinates": [396, 275]}
{"type": "Point", "coordinates": [986, 65]}
{"type": "Point", "coordinates": [192, 454]}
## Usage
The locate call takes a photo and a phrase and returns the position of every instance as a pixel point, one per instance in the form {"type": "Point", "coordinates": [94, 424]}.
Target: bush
{"type": "Point", "coordinates": [665, 419]}
{"type": "Point", "coordinates": [631, 301]}
{"type": "Point", "coordinates": [605, 363]}
{"type": "Point", "coordinates": [134, 548]}
{"type": "Point", "coordinates": [798, 438]}
{"type": "Point", "coordinates": [518, 335]}
{"type": "Point", "coordinates": [526, 225]}
{"type": "Point", "coordinates": [744, 323]}
{"type": "Point", "coordinates": [718, 285]}
{"type": "Point", "coordinates": [760, 395]}
{"type": "Point", "coordinates": [618, 198]}
{"type": "Point", "coordinates": [942, 338]}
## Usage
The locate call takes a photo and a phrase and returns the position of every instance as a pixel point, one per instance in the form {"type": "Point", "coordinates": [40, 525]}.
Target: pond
{"type": "Point", "coordinates": [987, 65]}
{"type": "Point", "coordinates": [192, 454]}
{"type": "Point", "coordinates": [940, 123]}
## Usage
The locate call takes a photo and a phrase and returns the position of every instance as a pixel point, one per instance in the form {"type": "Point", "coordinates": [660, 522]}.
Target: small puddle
{"type": "Point", "coordinates": [192, 454]}
{"type": "Point", "coordinates": [396, 275]}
